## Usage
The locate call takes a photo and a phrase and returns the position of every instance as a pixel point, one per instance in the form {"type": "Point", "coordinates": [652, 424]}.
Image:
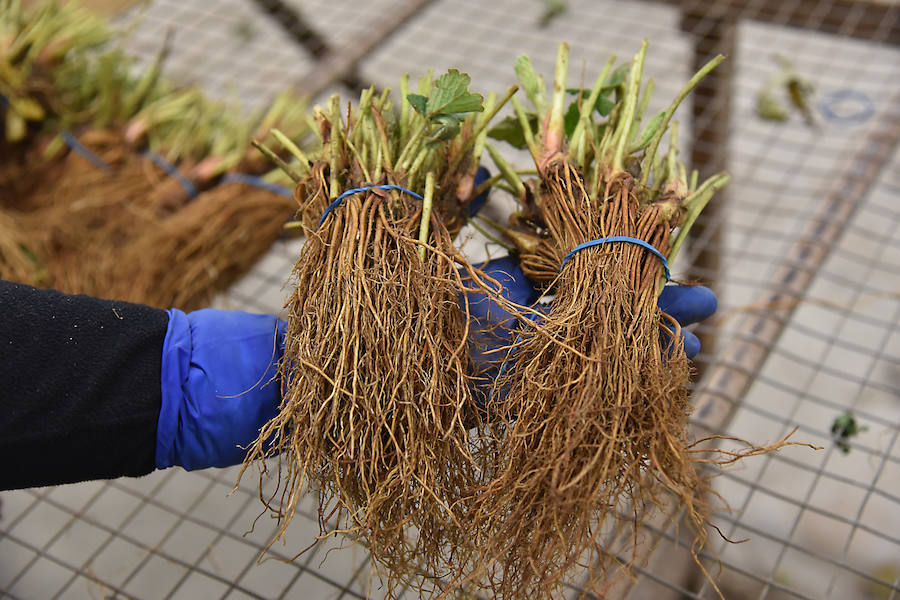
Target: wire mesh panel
{"type": "Point", "coordinates": [820, 524]}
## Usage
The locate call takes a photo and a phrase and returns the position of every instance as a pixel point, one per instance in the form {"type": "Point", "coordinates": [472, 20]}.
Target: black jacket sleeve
{"type": "Point", "coordinates": [79, 387]}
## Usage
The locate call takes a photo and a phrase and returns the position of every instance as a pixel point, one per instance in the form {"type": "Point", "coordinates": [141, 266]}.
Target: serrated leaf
{"type": "Point", "coordinates": [450, 95]}
{"type": "Point", "coordinates": [418, 102]}
{"type": "Point", "coordinates": [509, 130]}
{"type": "Point", "coordinates": [532, 83]}
{"type": "Point", "coordinates": [649, 131]}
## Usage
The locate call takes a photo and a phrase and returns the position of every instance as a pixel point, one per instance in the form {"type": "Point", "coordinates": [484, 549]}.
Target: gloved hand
{"type": "Point", "coordinates": [218, 386]}
{"type": "Point", "coordinates": [686, 304]}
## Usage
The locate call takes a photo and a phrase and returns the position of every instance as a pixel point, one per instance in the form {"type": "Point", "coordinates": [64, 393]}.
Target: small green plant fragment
{"type": "Point", "coordinates": [843, 428]}
{"type": "Point", "coordinates": [799, 92]}
{"type": "Point", "coordinates": [552, 10]}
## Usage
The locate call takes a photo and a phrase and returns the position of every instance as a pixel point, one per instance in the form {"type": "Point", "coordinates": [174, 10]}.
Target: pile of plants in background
{"type": "Point", "coordinates": [123, 185]}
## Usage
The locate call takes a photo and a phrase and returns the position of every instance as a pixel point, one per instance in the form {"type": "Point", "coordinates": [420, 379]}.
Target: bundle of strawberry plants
{"type": "Point", "coordinates": [377, 403]}
{"type": "Point", "coordinates": [109, 181]}
{"type": "Point", "coordinates": [592, 405]}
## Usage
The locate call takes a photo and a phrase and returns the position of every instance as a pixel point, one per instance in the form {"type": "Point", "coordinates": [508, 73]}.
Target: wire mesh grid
{"type": "Point", "coordinates": [820, 524]}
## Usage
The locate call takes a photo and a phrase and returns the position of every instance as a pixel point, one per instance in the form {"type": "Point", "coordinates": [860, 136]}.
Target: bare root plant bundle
{"type": "Point", "coordinates": [184, 258]}
{"type": "Point", "coordinates": [18, 260]}
{"type": "Point", "coordinates": [593, 424]}
{"type": "Point", "coordinates": [377, 402]}
{"type": "Point", "coordinates": [107, 169]}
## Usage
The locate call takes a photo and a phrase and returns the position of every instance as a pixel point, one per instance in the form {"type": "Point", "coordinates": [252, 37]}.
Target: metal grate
{"type": "Point", "coordinates": [801, 336]}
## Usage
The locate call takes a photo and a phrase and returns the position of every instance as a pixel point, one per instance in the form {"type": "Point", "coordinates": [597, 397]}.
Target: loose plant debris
{"type": "Point", "coordinates": [377, 403]}
{"type": "Point", "coordinates": [591, 408]}
{"type": "Point", "coordinates": [799, 91]}
{"type": "Point", "coordinates": [843, 428]}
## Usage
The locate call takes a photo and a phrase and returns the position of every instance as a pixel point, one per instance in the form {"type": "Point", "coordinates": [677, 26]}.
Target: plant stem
{"type": "Point", "coordinates": [490, 238]}
{"type": "Point", "coordinates": [654, 144]}
{"type": "Point", "coordinates": [526, 132]}
{"type": "Point", "coordinates": [694, 204]}
{"type": "Point", "coordinates": [479, 134]}
{"type": "Point", "coordinates": [578, 142]}
{"type": "Point", "coordinates": [289, 171]}
{"type": "Point", "coordinates": [508, 172]}
{"type": "Point", "coordinates": [426, 213]}
{"type": "Point", "coordinates": [403, 122]}
{"type": "Point", "coordinates": [554, 134]}
{"type": "Point", "coordinates": [293, 149]}
{"type": "Point", "coordinates": [623, 128]}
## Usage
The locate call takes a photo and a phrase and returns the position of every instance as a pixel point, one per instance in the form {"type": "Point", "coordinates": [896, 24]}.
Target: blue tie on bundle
{"type": "Point", "coordinates": [619, 238]}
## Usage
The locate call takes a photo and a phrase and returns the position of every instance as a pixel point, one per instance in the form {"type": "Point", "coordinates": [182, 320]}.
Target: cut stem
{"type": "Point", "coordinates": [694, 204]}
{"type": "Point", "coordinates": [654, 144]}
{"type": "Point", "coordinates": [426, 213]}
{"type": "Point", "coordinates": [553, 136]}
{"type": "Point", "coordinates": [508, 172]}
{"type": "Point", "coordinates": [288, 170]}
{"type": "Point", "coordinates": [623, 129]}
{"type": "Point", "coordinates": [293, 149]}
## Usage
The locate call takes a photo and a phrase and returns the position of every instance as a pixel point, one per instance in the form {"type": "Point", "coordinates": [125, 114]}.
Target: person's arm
{"type": "Point", "coordinates": [79, 387]}
{"type": "Point", "coordinates": [97, 389]}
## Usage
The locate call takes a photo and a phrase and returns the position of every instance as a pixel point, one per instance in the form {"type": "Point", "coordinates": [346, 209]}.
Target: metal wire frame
{"type": "Point", "coordinates": [261, 283]}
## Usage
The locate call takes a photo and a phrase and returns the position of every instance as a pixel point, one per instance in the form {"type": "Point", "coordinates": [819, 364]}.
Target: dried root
{"type": "Point", "coordinates": [376, 396]}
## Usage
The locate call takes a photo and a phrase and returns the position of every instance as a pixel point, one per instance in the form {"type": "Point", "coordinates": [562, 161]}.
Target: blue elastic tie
{"type": "Point", "coordinates": [83, 151]}
{"type": "Point", "coordinates": [172, 171]}
{"type": "Point", "coordinates": [257, 182]}
{"type": "Point", "coordinates": [620, 238]}
{"type": "Point", "coordinates": [865, 106]}
{"type": "Point", "coordinates": [387, 186]}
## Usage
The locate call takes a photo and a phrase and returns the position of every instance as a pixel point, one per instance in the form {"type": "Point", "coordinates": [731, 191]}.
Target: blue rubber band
{"type": "Point", "coordinates": [865, 106]}
{"type": "Point", "coordinates": [172, 171]}
{"type": "Point", "coordinates": [620, 238]}
{"type": "Point", "coordinates": [387, 186]}
{"type": "Point", "coordinates": [83, 151]}
{"type": "Point", "coordinates": [259, 182]}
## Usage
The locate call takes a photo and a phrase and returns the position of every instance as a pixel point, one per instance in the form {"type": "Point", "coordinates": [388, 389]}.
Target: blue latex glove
{"type": "Point", "coordinates": [686, 304]}
{"type": "Point", "coordinates": [218, 386]}
{"type": "Point", "coordinates": [481, 175]}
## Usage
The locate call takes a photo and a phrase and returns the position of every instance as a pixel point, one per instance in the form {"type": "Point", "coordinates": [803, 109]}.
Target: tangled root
{"type": "Point", "coordinates": [597, 437]}
{"type": "Point", "coordinates": [181, 260]}
{"type": "Point", "coordinates": [377, 402]}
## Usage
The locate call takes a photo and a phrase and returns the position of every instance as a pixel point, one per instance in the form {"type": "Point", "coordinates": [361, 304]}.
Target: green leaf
{"type": "Point", "coordinates": [510, 131]}
{"type": "Point", "coordinates": [649, 131]}
{"type": "Point", "coordinates": [570, 121]}
{"type": "Point", "coordinates": [617, 77]}
{"type": "Point", "coordinates": [768, 107]}
{"type": "Point", "coordinates": [532, 83]}
{"type": "Point", "coordinates": [448, 128]}
{"type": "Point", "coordinates": [603, 105]}
{"type": "Point", "coordinates": [418, 102]}
{"type": "Point", "coordinates": [450, 95]}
